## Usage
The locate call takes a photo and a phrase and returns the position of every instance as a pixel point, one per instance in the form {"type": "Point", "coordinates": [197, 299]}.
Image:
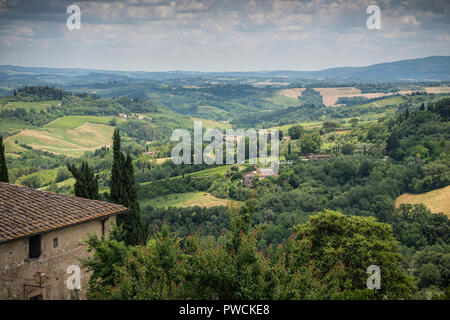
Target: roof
{"type": "Point", "coordinates": [25, 211]}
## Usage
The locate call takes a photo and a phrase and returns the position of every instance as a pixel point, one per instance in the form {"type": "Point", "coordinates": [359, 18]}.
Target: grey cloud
{"type": "Point", "coordinates": [221, 34]}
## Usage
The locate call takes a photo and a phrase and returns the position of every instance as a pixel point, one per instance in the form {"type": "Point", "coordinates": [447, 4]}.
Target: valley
{"type": "Point", "coordinates": [364, 149]}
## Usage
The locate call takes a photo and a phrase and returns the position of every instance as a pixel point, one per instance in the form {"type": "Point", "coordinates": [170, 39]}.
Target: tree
{"type": "Point", "coordinates": [392, 142]}
{"type": "Point", "coordinates": [123, 191]}
{"type": "Point", "coordinates": [329, 126]}
{"type": "Point", "coordinates": [356, 242]}
{"type": "Point", "coordinates": [310, 143]}
{"type": "Point", "coordinates": [3, 167]}
{"type": "Point", "coordinates": [429, 275]}
{"type": "Point", "coordinates": [86, 184]}
{"type": "Point", "coordinates": [348, 149]}
{"type": "Point", "coordinates": [296, 131]}
{"type": "Point", "coordinates": [354, 122]}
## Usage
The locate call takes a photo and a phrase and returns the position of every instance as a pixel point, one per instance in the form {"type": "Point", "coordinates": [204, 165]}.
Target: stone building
{"type": "Point", "coordinates": [42, 239]}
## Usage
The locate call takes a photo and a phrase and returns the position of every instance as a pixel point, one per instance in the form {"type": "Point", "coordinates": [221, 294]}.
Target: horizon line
{"type": "Point", "coordinates": [223, 71]}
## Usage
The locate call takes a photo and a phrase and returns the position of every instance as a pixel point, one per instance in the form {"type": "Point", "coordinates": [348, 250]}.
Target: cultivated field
{"type": "Point", "coordinates": [440, 89]}
{"type": "Point", "coordinates": [68, 135]}
{"type": "Point", "coordinates": [72, 122]}
{"type": "Point", "coordinates": [331, 95]}
{"type": "Point", "coordinates": [292, 93]}
{"type": "Point", "coordinates": [437, 200]}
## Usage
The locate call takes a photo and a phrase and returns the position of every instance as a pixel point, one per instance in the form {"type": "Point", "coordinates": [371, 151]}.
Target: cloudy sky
{"type": "Point", "coordinates": [220, 35]}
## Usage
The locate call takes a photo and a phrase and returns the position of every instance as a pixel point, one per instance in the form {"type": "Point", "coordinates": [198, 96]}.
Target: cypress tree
{"type": "Point", "coordinates": [118, 192]}
{"type": "Point", "coordinates": [3, 167]}
{"type": "Point", "coordinates": [123, 191]}
{"type": "Point", "coordinates": [86, 185]}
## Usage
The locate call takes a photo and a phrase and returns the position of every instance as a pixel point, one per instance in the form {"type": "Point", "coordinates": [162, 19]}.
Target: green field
{"type": "Point", "coordinates": [189, 199]}
{"type": "Point", "coordinates": [169, 117]}
{"type": "Point", "coordinates": [383, 102]}
{"type": "Point", "coordinates": [284, 101]}
{"type": "Point", "coordinates": [36, 106]}
{"type": "Point", "coordinates": [72, 122]}
{"type": "Point", "coordinates": [306, 125]}
{"type": "Point", "coordinates": [211, 124]}
{"type": "Point", "coordinates": [220, 170]}
{"type": "Point", "coordinates": [211, 111]}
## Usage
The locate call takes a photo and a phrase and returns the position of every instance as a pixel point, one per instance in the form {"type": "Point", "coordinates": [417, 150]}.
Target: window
{"type": "Point", "coordinates": [55, 242]}
{"type": "Point", "coordinates": [37, 297]}
{"type": "Point", "coordinates": [35, 246]}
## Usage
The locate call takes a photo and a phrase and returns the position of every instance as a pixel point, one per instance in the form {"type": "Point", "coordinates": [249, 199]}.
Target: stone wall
{"type": "Point", "coordinates": [45, 277]}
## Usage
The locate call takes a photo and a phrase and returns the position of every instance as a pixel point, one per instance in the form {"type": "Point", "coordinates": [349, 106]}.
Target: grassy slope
{"type": "Point", "coordinates": [71, 135]}
{"type": "Point", "coordinates": [436, 200]}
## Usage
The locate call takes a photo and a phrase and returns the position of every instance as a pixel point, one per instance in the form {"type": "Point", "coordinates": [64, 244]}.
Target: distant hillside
{"type": "Point", "coordinates": [429, 68]}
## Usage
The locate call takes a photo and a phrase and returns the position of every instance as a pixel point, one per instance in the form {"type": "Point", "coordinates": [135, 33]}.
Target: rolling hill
{"type": "Point", "coordinates": [428, 68]}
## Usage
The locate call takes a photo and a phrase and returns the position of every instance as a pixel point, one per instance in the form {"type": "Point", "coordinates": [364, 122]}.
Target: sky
{"type": "Point", "coordinates": [220, 35]}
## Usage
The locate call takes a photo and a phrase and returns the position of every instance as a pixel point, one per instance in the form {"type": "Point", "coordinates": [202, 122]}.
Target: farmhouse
{"type": "Point", "coordinates": [150, 153]}
{"type": "Point", "coordinates": [249, 177]}
{"type": "Point", "coordinates": [42, 239]}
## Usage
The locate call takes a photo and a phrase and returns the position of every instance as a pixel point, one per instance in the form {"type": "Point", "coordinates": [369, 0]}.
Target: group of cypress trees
{"type": "Point", "coordinates": [123, 191]}
{"type": "Point", "coordinates": [132, 227]}
{"type": "Point", "coordinates": [3, 168]}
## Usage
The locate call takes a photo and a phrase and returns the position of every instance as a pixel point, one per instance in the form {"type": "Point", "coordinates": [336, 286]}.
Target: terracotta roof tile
{"type": "Point", "coordinates": [26, 211]}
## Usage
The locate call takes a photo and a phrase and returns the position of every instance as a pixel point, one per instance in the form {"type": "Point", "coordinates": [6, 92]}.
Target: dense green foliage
{"type": "Point", "coordinates": [232, 267]}
{"type": "Point", "coordinates": [311, 97]}
{"type": "Point", "coordinates": [3, 168]}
